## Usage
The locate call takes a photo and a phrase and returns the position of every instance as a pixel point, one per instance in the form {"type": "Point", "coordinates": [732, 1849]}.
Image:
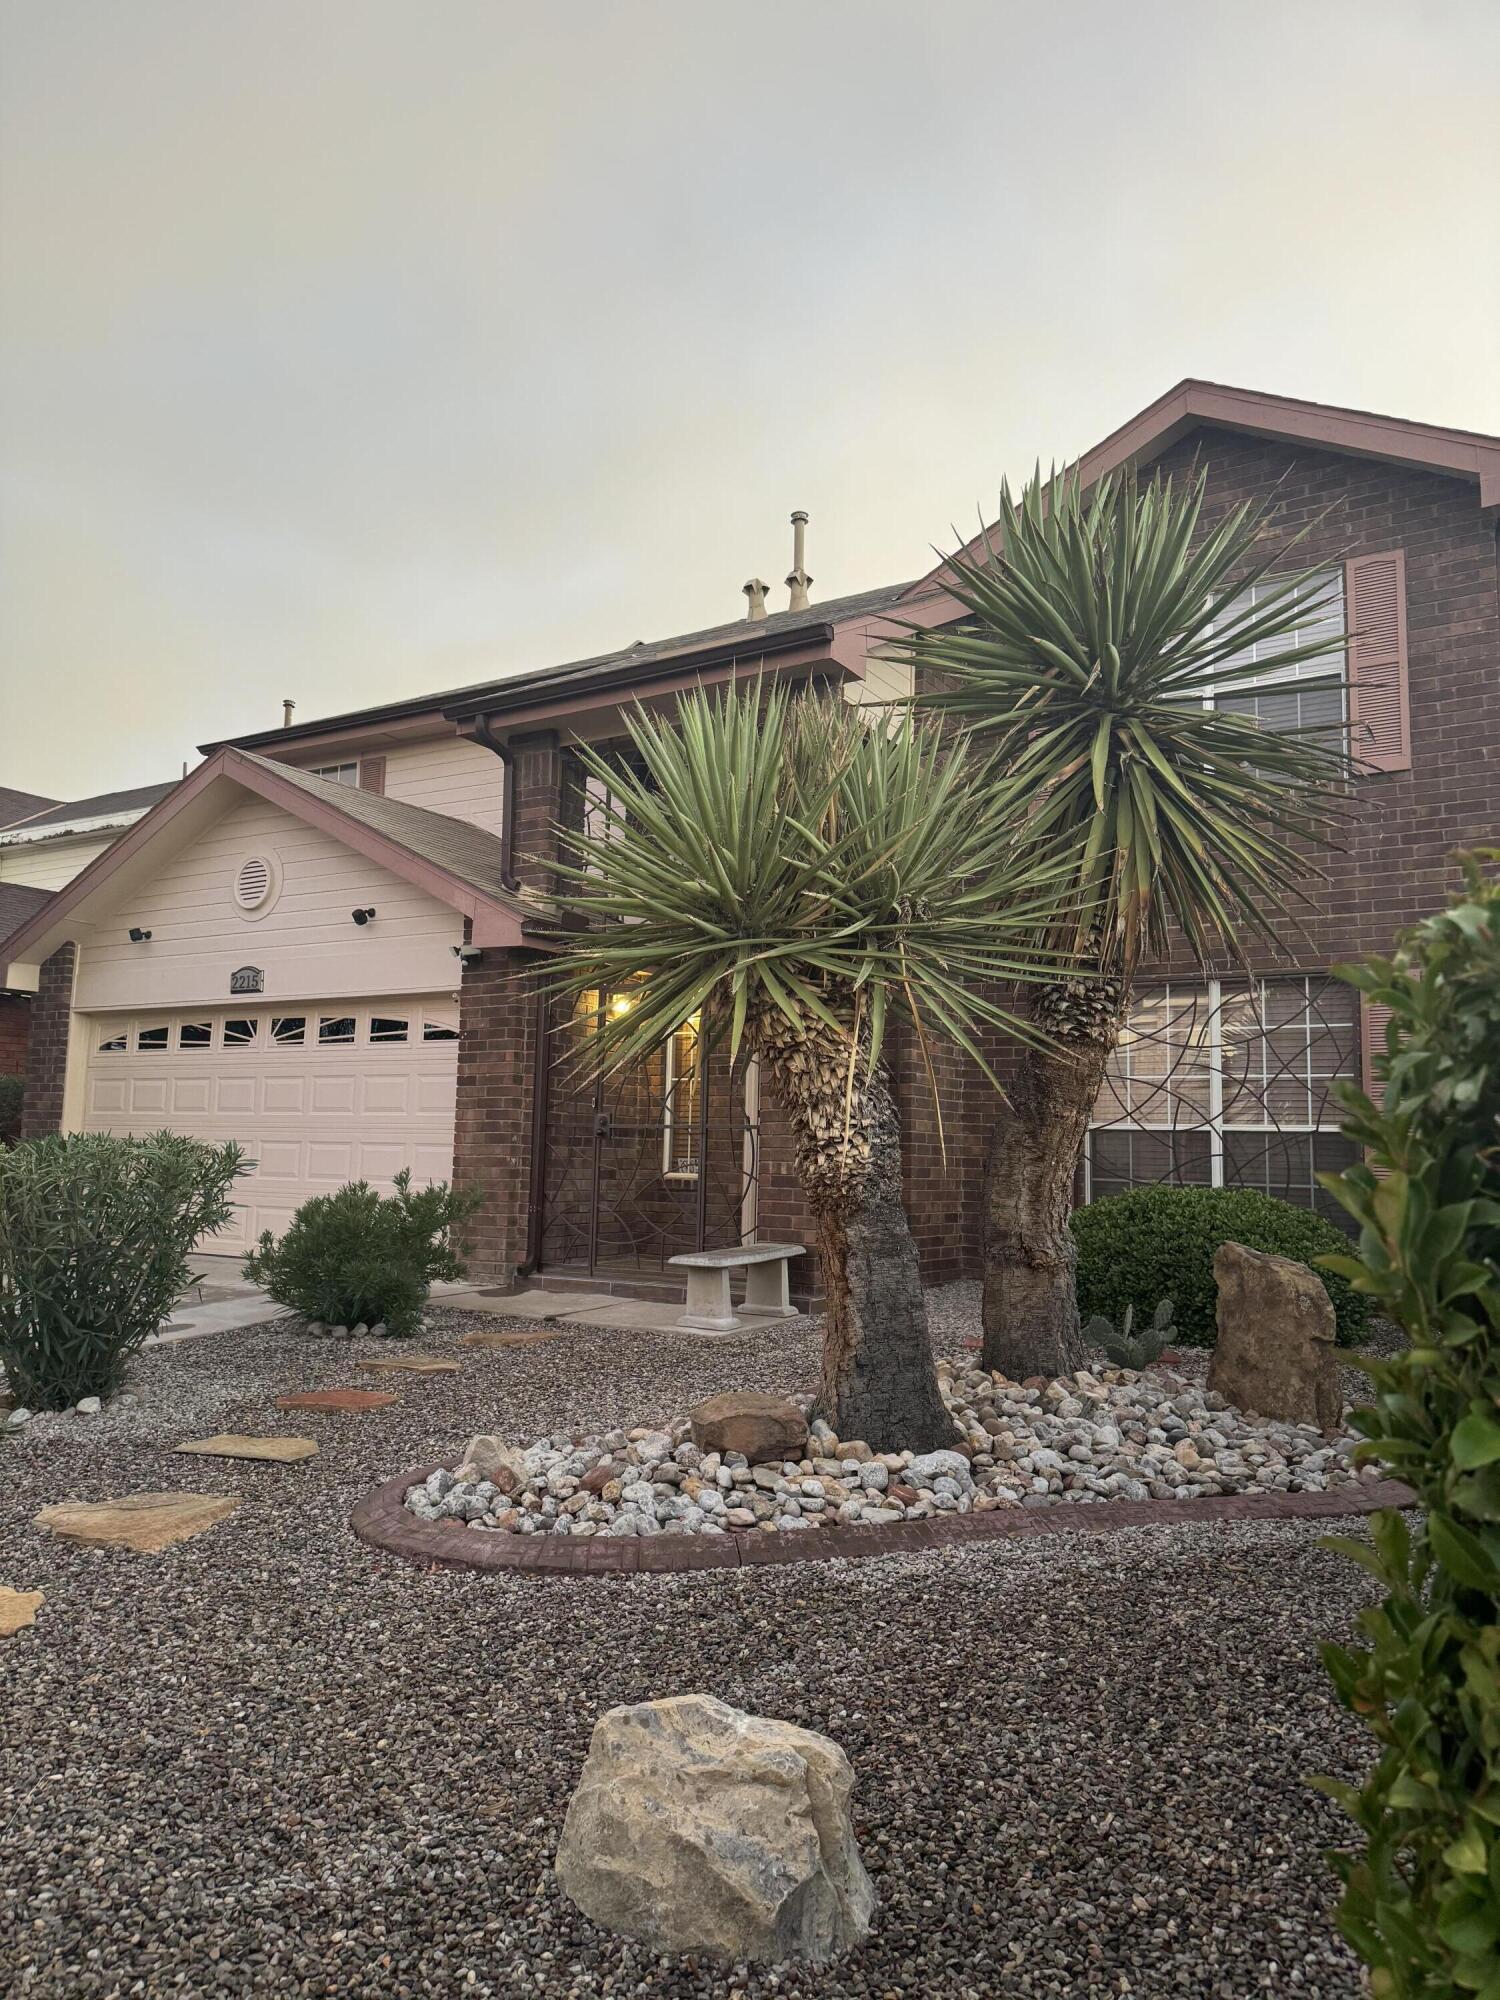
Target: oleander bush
{"type": "Point", "coordinates": [94, 1240]}
{"type": "Point", "coordinates": [1421, 1900]}
{"type": "Point", "coordinates": [12, 1090]}
{"type": "Point", "coordinates": [1159, 1242]}
{"type": "Point", "coordinates": [355, 1257]}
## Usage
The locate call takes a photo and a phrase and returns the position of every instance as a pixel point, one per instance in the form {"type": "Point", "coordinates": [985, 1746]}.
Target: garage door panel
{"type": "Point", "coordinates": [307, 1117]}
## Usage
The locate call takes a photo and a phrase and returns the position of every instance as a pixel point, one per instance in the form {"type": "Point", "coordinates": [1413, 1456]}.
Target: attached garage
{"type": "Point", "coordinates": [316, 1094]}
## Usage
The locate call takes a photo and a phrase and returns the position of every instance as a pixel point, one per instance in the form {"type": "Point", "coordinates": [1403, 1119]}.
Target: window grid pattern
{"type": "Point", "coordinates": [1273, 697]}
{"type": "Point", "coordinates": [248, 1033]}
{"type": "Point", "coordinates": [1228, 1084]}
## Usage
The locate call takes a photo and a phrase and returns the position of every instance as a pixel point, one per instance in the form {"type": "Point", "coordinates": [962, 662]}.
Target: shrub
{"type": "Point", "coordinates": [1421, 1903]}
{"type": "Point", "coordinates": [94, 1240]}
{"type": "Point", "coordinates": [352, 1257]}
{"type": "Point", "coordinates": [12, 1090]}
{"type": "Point", "coordinates": [1159, 1242]}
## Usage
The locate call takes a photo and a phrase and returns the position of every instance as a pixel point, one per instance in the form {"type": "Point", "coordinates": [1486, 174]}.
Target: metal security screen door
{"type": "Point", "coordinates": [648, 1162]}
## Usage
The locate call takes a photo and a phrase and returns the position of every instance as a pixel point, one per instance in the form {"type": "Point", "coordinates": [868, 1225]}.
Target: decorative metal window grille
{"type": "Point", "coordinates": [1226, 1083]}
{"type": "Point", "coordinates": [1274, 697]}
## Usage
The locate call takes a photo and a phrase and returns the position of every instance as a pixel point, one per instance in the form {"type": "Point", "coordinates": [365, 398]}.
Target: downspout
{"type": "Point", "coordinates": [477, 727]}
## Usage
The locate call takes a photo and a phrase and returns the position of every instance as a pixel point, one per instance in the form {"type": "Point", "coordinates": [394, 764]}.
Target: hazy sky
{"type": "Point", "coordinates": [355, 348]}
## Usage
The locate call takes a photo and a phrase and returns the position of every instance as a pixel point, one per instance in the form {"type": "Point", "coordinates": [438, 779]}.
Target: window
{"type": "Point", "coordinates": [337, 774]}
{"type": "Point", "coordinates": [195, 1035]}
{"type": "Point", "coordinates": [241, 1034]}
{"type": "Point", "coordinates": [336, 1028]}
{"type": "Point", "coordinates": [439, 1031]}
{"type": "Point", "coordinates": [1228, 1084]}
{"type": "Point", "coordinates": [383, 1028]}
{"type": "Point", "coordinates": [680, 1104]}
{"type": "Point", "coordinates": [114, 1045]}
{"type": "Point", "coordinates": [1274, 697]}
{"type": "Point", "coordinates": [288, 1030]}
{"type": "Point", "coordinates": [151, 1038]}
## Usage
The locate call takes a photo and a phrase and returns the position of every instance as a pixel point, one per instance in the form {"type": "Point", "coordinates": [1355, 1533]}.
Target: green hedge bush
{"type": "Point", "coordinates": [12, 1090]}
{"type": "Point", "coordinates": [1421, 1898]}
{"type": "Point", "coordinates": [94, 1240]}
{"type": "Point", "coordinates": [354, 1258]}
{"type": "Point", "coordinates": [1159, 1242]}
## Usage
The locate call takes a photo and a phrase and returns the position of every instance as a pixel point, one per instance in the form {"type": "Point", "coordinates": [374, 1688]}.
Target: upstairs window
{"type": "Point", "coordinates": [337, 774]}
{"type": "Point", "coordinates": [1275, 696]}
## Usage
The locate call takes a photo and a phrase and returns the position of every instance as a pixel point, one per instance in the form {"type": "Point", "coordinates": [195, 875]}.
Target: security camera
{"type": "Point", "coordinates": [468, 954]}
{"type": "Point", "coordinates": [362, 916]}
{"type": "Point", "coordinates": [138, 936]}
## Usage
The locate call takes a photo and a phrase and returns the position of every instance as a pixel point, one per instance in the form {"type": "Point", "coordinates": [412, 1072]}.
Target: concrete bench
{"type": "Point", "coordinates": [766, 1290]}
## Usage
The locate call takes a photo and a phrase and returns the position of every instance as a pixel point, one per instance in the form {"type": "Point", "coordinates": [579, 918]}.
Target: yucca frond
{"type": "Point", "coordinates": [779, 855]}
{"type": "Point", "coordinates": [1096, 634]}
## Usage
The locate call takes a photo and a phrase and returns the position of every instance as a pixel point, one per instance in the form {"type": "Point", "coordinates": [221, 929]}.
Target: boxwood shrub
{"type": "Point", "coordinates": [1159, 1242]}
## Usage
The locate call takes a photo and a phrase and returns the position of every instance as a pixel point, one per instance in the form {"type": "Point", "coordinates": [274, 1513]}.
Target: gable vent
{"type": "Point", "coordinates": [253, 883]}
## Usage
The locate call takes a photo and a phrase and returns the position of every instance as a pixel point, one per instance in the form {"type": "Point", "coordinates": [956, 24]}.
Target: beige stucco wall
{"type": "Point", "coordinates": [305, 941]}
{"type": "Point", "coordinates": [49, 864]}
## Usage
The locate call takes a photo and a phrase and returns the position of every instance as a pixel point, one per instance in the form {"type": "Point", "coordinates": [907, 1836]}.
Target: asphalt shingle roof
{"type": "Point", "coordinates": [140, 800]}
{"type": "Point", "coordinates": [20, 805]}
{"type": "Point", "coordinates": [18, 901]}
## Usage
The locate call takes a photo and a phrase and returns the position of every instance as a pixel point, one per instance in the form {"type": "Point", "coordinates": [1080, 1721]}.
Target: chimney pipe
{"type": "Point", "coordinates": [799, 579]}
{"type": "Point", "coordinates": [286, 714]}
{"type": "Point", "coordinates": [755, 590]}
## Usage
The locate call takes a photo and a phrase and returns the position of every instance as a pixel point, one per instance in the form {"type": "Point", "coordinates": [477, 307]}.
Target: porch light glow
{"type": "Point", "coordinates": [621, 1004]}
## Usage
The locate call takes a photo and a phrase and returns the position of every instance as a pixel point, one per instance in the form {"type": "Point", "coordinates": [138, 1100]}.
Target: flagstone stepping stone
{"type": "Point", "coordinates": [412, 1364]}
{"type": "Point", "coordinates": [18, 1609]}
{"type": "Point", "coordinates": [147, 1522]}
{"type": "Point", "coordinates": [521, 1337]}
{"type": "Point", "coordinates": [525, 1305]}
{"type": "Point", "coordinates": [276, 1451]}
{"type": "Point", "coordinates": [338, 1399]}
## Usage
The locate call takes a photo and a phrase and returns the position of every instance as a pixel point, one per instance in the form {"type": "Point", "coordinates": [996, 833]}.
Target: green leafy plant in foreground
{"type": "Point", "coordinates": [95, 1233]}
{"type": "Point", "coordinates": [1421, 1901]}
{"type": "Point", "coordinates": [354, 1257]}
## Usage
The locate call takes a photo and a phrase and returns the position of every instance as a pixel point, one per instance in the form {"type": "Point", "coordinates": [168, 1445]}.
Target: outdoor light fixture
{"type": "Point", "coordinates": [362, 916]}
{"type": "Point", "coordinates": [467, 954]}
{"type": "Point", "coordinates": [621, 1005]}
{"type": "Point", "coordinates": [138, 936]}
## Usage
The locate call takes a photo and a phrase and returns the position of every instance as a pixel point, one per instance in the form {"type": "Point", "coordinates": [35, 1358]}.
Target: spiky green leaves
{"type": "Point", "coordinates": [776, 855]}
{"type": "Point", "coordinates": [1098, 633]}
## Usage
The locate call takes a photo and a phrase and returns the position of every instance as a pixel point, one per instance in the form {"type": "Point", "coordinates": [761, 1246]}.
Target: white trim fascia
{"type": "Point", "coordinates": [33, 836]}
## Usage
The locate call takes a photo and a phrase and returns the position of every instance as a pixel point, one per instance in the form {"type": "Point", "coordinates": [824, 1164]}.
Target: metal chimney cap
{"type": "Point", "coordinates": [756, 590]}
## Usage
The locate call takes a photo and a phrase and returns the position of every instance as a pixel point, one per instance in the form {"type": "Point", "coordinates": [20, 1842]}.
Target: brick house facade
{"type": "Point", "coordinates": [1403, 517]}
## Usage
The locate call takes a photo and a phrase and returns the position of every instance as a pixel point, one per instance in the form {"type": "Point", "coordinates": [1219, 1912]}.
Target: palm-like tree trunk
{"type": "Point", "coordinates": [1031, 1324]}
{"type": "Point", "coordinates": [878, 1379]}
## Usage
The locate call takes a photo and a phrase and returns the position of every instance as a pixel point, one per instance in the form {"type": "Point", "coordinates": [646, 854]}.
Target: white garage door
{"type": "Point", "coordinates": [316, 1093]}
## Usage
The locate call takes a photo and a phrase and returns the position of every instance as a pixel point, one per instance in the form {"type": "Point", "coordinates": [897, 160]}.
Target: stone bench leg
{"type": "Point", "coordinates": [766, 1288]}
{"type": "Point", "coordinates": [708, 1306]}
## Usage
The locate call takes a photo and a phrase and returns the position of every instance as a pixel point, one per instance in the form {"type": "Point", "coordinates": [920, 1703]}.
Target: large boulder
{"type": "Point", "coordinates": [1275, 1350]}
{"type": "Point", "coordinates": [697, 1827]}
{"type": "Point", "coordinates": [490, 1457]}
{"type": "Point", "coordinates": [762, 1427]}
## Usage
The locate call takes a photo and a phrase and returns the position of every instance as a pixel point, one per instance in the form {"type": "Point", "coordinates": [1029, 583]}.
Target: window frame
{"type": "Point", "coordinates": [1288, 681]}
{"type": "Point", "coordinates": [673, 1126]}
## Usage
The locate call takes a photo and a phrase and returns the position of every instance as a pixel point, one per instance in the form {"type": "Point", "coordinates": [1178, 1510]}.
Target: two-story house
{"type": "Point", "coordinates": [323, 942]}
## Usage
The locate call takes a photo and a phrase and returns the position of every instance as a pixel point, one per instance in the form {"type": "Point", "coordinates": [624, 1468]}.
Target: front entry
{"type": "Point", "coordinates": [649, 1162]}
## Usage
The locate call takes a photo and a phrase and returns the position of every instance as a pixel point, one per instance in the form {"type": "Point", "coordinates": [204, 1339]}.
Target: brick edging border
{"type": "Point", "coordinates": [381, 1520]}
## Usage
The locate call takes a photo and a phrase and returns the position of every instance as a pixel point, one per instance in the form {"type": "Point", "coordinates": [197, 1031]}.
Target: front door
{"type": "Point", "coordinates": [647, 1162]}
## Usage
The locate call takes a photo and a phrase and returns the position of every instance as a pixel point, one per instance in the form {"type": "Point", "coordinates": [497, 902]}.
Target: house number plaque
{"type": "Point", "coordinates": [249, 979]}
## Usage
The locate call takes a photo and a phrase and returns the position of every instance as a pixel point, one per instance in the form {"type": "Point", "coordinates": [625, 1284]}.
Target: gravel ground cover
{"type": "Point", "coordinates": [274, 1761]}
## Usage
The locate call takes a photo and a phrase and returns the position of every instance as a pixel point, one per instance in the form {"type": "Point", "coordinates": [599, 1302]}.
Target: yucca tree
{"type": "Point", "coordinates": [1101, 627]}
{"type": "Point", "coordinates": [797, 878]}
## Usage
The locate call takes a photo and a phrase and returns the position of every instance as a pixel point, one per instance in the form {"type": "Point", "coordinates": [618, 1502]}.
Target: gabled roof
{"type": "Point", "coordinates": [1468, 455]}
{"type": "Point", "coordinates": [454, 862]}
{"type": "Point", "coordinates": [18, 901]}
{"type": "Point", "coordinates": [20, 805]}
{"type": "Point", "coordinates": [87, 815]}
{"type": "Point", "coordinates": [744, 638]}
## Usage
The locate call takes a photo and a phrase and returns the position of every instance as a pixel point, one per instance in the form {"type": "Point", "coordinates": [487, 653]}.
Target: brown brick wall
{"type": "Point", "coordinates": [1397, 866]}
{"type": "Point", "coordinates": [15, 1030]}
{"type": "Point", "coordinates": [47, 1057]}
{"type": "Point", "coordinates": [492, 1137]}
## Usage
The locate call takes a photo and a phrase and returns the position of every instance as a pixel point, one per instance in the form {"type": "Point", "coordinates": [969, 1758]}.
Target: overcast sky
{"type": "Point", "coordinates": [356, 348]}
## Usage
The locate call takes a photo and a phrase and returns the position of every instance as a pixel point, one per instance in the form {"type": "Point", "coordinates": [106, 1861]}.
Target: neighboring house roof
{"type": "Point", "coordinates": [1470, 455]}
{"type": "Point", "coordinates": [94, 815]}
{"type": "Point", "coordinates": [20, 805]}
{"type": "Point", "coordinates": [453, 861]}
{"type": "Point", "coordinates": [18, 901]}
{"type": "Point", "coordinates": [743, 638]}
